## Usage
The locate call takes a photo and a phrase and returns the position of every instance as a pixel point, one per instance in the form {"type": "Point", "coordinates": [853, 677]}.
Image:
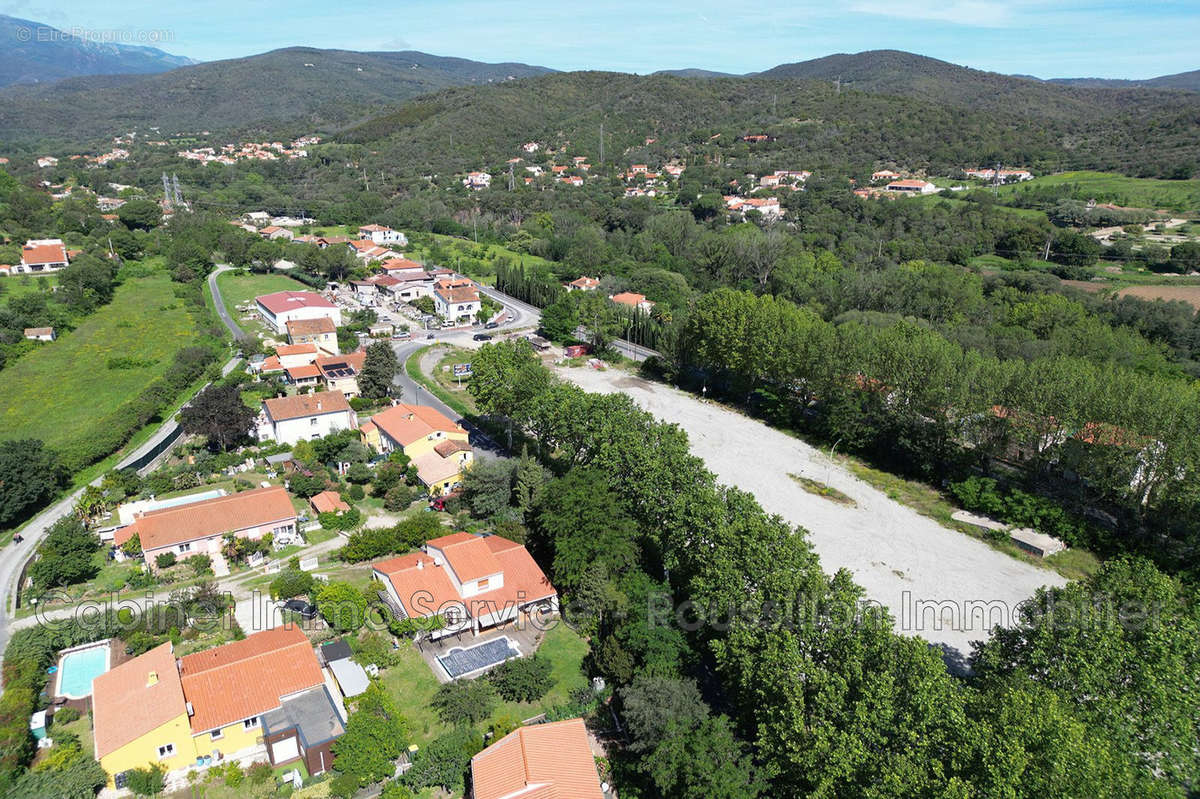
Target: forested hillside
{"type": "Point", "coordinates": [313, 86]}
{"type": "Point", "coordinates": [1138, 132]}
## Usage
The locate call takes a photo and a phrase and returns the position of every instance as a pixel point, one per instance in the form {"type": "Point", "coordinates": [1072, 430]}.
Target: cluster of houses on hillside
{"type": "Point", "coordinates": [627, 299]}
{"type": "Point", "coordinates": [250, 151]}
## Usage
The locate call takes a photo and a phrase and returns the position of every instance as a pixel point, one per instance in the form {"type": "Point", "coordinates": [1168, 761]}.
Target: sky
{"type": "Point", "coordinates": [1045, 38]}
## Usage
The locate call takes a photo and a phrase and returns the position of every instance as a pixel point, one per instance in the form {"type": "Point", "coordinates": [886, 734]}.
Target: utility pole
{"type": "Point", "coordinates": [366, 183]}
{"type": "Point", "coordinates": [602, 144]}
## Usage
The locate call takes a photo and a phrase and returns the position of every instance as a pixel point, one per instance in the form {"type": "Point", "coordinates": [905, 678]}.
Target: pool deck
{"type": "Point", "coordinates": [525, 639]}
{"type": "Point", "coordinates": [116, 656]}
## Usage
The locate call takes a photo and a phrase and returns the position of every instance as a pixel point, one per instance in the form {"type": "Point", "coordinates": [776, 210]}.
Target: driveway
{"type": "Point", "coordinates": [238, 333]}
{"type": "Point", "coordinates": [905, 561]}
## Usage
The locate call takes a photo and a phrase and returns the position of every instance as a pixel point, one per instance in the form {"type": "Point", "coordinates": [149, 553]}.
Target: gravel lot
{"type": "Point", "coordinates": [944, 586]}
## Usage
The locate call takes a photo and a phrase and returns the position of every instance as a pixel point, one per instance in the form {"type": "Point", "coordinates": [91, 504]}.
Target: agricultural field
{"type": "Point", "coordinates": [59, 391]}
{"type": "Point", "coordinates": [1108, 187]}
{"type": "Point", "coordinates": [1188, 293]}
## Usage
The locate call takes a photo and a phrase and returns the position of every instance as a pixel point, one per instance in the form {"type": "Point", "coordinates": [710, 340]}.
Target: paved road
{"type": "Point", "coordinates": [238, 333]}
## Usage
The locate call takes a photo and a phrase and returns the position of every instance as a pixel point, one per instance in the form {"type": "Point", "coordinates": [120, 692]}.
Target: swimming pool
{"type": "Point", "coordinates": [77, 668]}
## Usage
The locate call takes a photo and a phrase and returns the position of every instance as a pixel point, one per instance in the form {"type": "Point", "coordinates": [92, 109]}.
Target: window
{"type": "Point", "coordinates": [217, 735]}
{"type": "Point", "coordinates": [482, 583]}
{"type": "Point", "coordinates": [313, 421]}
{"type": "Point", "coordinates": [250, 724]}
{"type": "Point", "coordinates": [185, 547]}
{"type": "Point", "coordinates": [165, 751]}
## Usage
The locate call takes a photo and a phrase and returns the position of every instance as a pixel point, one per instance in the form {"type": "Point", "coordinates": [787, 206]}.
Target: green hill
{"type": "Point", "coordinates": [813, 124]}
{"type": "Point", "coordinates": [321, 88]}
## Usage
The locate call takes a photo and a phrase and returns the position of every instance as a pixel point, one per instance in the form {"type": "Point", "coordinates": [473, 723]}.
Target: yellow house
{"type": "Point", "coordinates": [261, 698]}
{"type": "Point", "coordinates": [439, 447]}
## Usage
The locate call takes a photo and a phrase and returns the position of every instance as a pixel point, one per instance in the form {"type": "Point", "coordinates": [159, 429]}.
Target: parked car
{"type": "Point", "coordinates": [482, 337]}
{"type": "Point", "coordinates": [429, 336]}
{"type": "Point", "coordinates": [299, 606]}
{"type": "Point", "coordinates": [491, 325]}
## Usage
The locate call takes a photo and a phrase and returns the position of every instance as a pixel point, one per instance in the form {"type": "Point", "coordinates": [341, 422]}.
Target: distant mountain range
{"type": "Point", "coordinates": [37, 53]}
{"type": "Point", "coordinates": [316, 90]}
{"type": "Point", "coordinates": [320, 88]}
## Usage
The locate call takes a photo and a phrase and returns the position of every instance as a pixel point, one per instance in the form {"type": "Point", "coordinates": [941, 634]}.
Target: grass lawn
{"type": "Point", "coordinates": [59, 391]}
{"type": "Point", "coordinates": [19, 286]}
{"type": "Point", "coordinates": [237, 289]}
{"type": "Point", "coordinates": [443, 375]}
{"type": "Point", "coordinates": [413, 367]}
{"type": "Point", "coordinates": [1180, 195]}
{"type": "Point", "coordinates": [412, 684]}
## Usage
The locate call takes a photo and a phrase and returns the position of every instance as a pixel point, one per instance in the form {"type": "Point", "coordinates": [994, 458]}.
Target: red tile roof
{"type": "Point", "coordinates": [125, 706]}
{"type": "Point", "coordinates": [281, 301]}
{"type": "Point", "coordinates": [468, 555]}
{"type": "Point", "coordinates": [310, 327]}
{"type": "Point", "coordinates": [298, 349]}
{"type": "Point", "coordinates": [170, 526]}
{"type": "Point", "coordinates": [299, 406]}
{"type": "Point", "coordinates": [328, 502]}
{"type": "Point", "coordinates": [543, 761]}
{"type": "Point", "coordinates": [39, 252]}
{"type": "Point", "coordinates": [306, 371]}
{"type": "Point", "coordinates": [247, 678]}
{"type": "Point", "coordinates": [629, 298]}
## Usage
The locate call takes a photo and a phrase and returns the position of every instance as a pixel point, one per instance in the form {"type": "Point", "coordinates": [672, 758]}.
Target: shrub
{"type": "Point", "coordinates": [356, 492]}
{"type": "Point", "coordinates": [342, 606]}
{"type": "Point", "coordinates": [199, 564]}
{"type": "Point", "coordinates": [523, 679]}
{"type": "Point", "coordinates": [398, 498]}
{"type": "Point", "coordinates": [258, 773]}
{"type": "Point", "coordinates": [465, 701]}
{"type": "Point", "coordinates": [165, 560]}
{"type": "Point", "coordinates": [66, 716]}
{"type": "Point", "coordinates": [146, 781]}
{"type": "Point", "coordinates": [233, 775]}
{"type": "Point", "coordinates": [291, 582]}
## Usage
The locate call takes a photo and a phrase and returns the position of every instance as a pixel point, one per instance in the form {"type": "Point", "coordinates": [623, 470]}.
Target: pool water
{"type": "Point", "coordinates": [77, 669]}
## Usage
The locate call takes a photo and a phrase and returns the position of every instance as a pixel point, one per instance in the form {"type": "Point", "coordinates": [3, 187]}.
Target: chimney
{"type": "Point", "coordinates": [151, 678]}
{"type": "Point", "coordinates": [191, 711]}
{"type": "Point", "coordinates": [420, 563]}
{"type": "Point", "coordinates": [318, 405]}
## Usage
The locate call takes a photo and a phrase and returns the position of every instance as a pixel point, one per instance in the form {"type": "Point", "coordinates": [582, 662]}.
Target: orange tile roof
{"type": "Point", "coordinates": [451, 446]}
{"type": "Point", "coordinates": [629, 298]}
{"type": "Point", "coordinates": [356, 360]}
{"type": "Point", "coordinates": [170, 526]}
{"type": "Point", "coordinates": [247, 678]}
{"type": "Point", "coordinates": [271, 364]}
{"type": "Point", "coordinates": [309, 327]}
{"type": "Point", "coordinates": [543, 761]}
{"type": "Point", "coordinates": [409, 423]}
{"type": "Point", "coordinates": [425, 588]}
{"type": "Point", "coordinates": [124, 707]}
{"type": "Point", "coordinates": [306, 371]}
{"type": "Point", "coordinates": [433, 468]}
{"type": "Point", "coordinates": [400, 263]}
{"type": "Point", "coordinates": [328, 502]}
{"type": "Point", "coordinates": [298, 349]}
{"type": "Point", "coordinates": [43, 251]}
{"type": "Point", "coordinates": [281, 301]}
{"type": "Point", "coordinates": [299, 406]}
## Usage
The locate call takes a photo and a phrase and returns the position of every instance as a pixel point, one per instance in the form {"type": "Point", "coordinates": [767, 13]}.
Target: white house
{"type": "Point", "coordinates": [41, 255]}
{"type": "Point", "coordinates": [285, 306]}
{"type": "Point", "coordinates": [477, 180]}
{"type": "Point", "coordinates": [382, 235]}
{"type": "Point", "coordinates": [305, 416]}
{"type": "Point", "coordinates": [456, 300]}
{"type": "Point", "coordinates": [911, 187]}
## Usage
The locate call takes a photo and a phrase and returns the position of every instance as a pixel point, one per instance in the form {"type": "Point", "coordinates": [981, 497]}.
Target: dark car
{"type": "Point", "coordinates": [429, 336]}
{"type": "Point", "coordinates": [299, 606]}
{"type": "Point", "coordinates": [482, 337]}
{"type": "Point", "coordinates": [491, 325]}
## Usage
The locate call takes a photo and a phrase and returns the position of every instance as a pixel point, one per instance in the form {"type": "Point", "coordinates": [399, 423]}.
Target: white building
{"type": "Point", "coordinates": [477, 180]}
{"type": "Point", "coordinates": [456, 300]}
{"type": "Point", "coordinates": [911, 187]}
{"type": "Point", "coordinates": [285, 306]}
{"type": "Point", "coordinates": [382, 235]}
{"type": "Point", "coordinates": [302, 417]}
{"type": "Point", "coordinates": [39, 256]}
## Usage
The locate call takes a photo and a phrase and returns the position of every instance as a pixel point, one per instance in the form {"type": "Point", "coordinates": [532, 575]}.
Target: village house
{"type": "Point", "coordinates": [541, 760]}
{"type": "Point", "coordinates": [885, 174]}
{"type": "Point", "coordinates": [531, 147]}
{"type": "Point", "coordinates": [1003, 176]}
{"type": "Point", "coordinates": [383, 236]}
{"type": "Point", "coordinates": [198, 527]}
{"type": "Point", "coordinates": [368, 250]}
{"type": "Point", "coordinates": [264, 698]}
{"type": "Point", "coordinates": [39, 333]}
{"type": "Point", "coordinates": [630, 299]}
{"type": "Point", "coordinates": [401, 267]}
{"type": "Point", "coordinates": [472, 582]}
{"type": "Point", "coordinates": [456, 300]}
{"type": "Point", "coordinates": [40, 256]}
{"type": "Point", "coordinates": [911, 186]}
{"type": "Point", "coordinates": [257, 218]}
{"type": "Point", "coordinates": [273, 232]}
{"type": "Point", "coordinates": [584, 284]}
{"type": "Point", "coordinates": [319, 332]}
{"type": "Point", "coordinates": [339, 373]}
{"type": "Point", "coordinates": [281, 307]}
{"type": "Point", "coordinates": [477, 181]}
{"type": "Point", "coordinates": [328, 502]}
{"type": "Point", "coordinates": [767, 206]}
{"type": "Point", "coordinates": [302, 417]}
{"type": "Point", "coordinates": [439, 447]}
{"type": "Point", "coordinates": [47, 161]}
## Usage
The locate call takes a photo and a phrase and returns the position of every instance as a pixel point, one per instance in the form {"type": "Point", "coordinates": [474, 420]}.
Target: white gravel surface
{"type": "Point", "coordinates": [905, 561]}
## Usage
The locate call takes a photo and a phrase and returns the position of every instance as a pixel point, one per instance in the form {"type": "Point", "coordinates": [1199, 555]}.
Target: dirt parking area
{"type": "Point", "coordinates": [944, 586]}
